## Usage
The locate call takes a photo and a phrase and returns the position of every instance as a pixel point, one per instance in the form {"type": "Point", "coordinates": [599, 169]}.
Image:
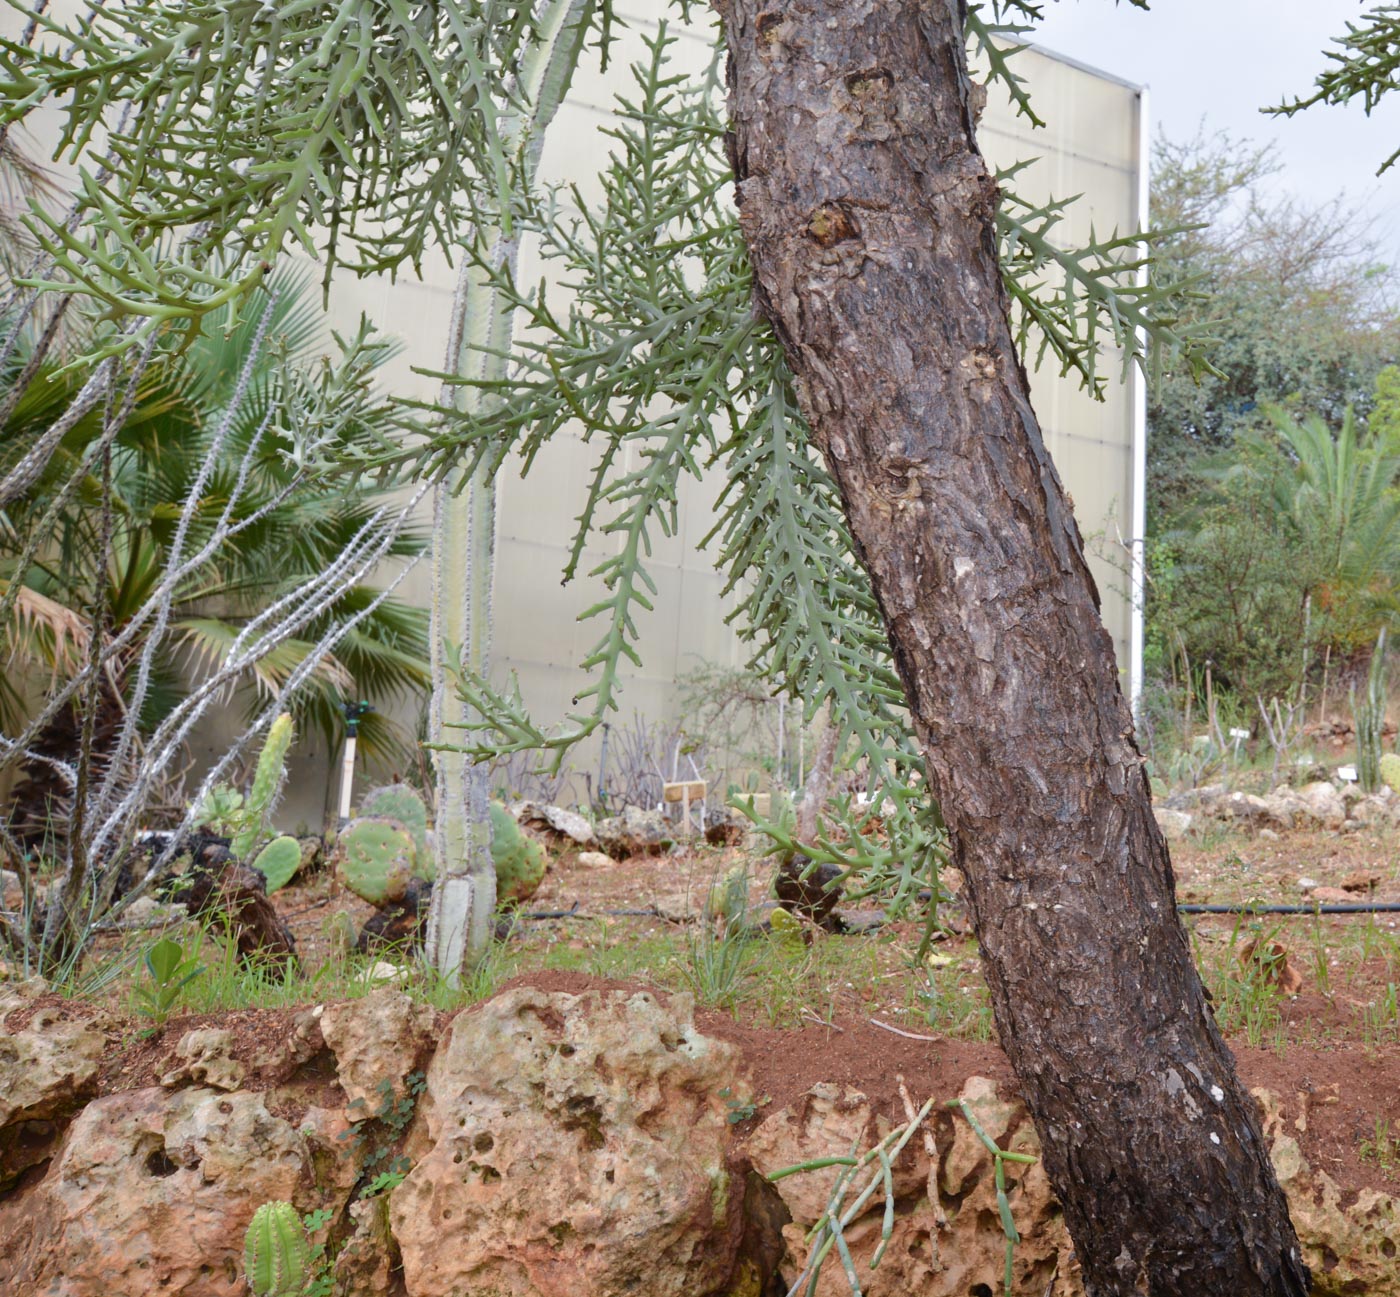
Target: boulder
{"type": "Point", "coordinates": [1256, 812]}
{"type": "Point", "coordinates": [152, 1190]}
{"type": "Point", "coordinates": [947, 1239]}
{"type": "Point", "coordinates": [377, 1041]}
{"type": "Point", "coordinates": [1174, 824]}
{"type": "Point", "coordinates": [635, 833]}
{"type": "Point", "coordinates": [205, 1057]}
{"type": "Point", "coordinates": [48, 1068]}
{"type": "Point", "coordinates": [1323, 804]}
{"type": "Point", "coordinates": [594, 860]}
{"type": "Point", "coordinates": [1348, 1239]}
{"type": "Point", "coordinates": [555, 819]}
{"type": "Point", "coordinates": [575, 1144]}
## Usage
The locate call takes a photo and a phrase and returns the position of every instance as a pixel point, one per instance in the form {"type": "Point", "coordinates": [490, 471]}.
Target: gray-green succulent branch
{"type": "Point", "coordinates": [1366, 66]}
{"type": "Point", "coordinates": [365, 131]}
{"type": "Point", "coordinates": [355, 130]}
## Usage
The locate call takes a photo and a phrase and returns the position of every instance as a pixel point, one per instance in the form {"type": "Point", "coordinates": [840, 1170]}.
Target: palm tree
{"type": "Point", "coordinates": [155, 468]}
{"type": "Point", "coordinates": [1338, 493]}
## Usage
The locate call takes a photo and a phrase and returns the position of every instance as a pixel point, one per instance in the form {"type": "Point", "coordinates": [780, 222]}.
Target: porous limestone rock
{"type": "Point", "coordinates": [576, 1144]}
{"type": "Point", "coordinates": [1349, 1240]}
{"type": "Point", "coordinates": [152, 1190]}
{"type": "Point", "coordinates": [1174, 824]}
{"type": "Point", "coordinates": [635, 833]}
{"type": "Point", "coordinates": [962, 1253]}
{"type": "Point", "coordinates": [555, 819]}
{"type": "Point", "coordinates": [47, 1068]}
{"type": "Point", "coordinates": [205, 1057]}
{"type": "Point", "coordinates": [1323, 804]}
{"type": "Point", "coordinates": [594, 860]}
{"type": "Point", "coordinates": [377, 1041]}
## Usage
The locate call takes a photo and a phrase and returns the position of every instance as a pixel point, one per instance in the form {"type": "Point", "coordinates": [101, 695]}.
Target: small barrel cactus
{"type": "Point", "coordinates": [375, 859]}
{"type": "Point", "coordinates": [278, 862]}
{"type": "Point", "coordinates": [276, 1255]}
{"type": "Point", "coordinates": [267, 784]}
{"type": "Point", "coordinates": [519, 860]}
{"type": "Point", "coordinates": [402, 803]}
{"type": "Point", "coordinates": [1390, 771]}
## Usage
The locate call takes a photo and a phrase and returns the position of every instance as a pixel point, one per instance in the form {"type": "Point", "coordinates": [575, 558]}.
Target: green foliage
{"type": "Point", "coordinates": [268, 775]}
{"type": "Point", "coordinates": [1291, 552]}
{"type": "Point", "coordinates": [519, 859]}
{"type": "Point", "coordinates": [168, 971]}
{"type": "Point", "coordinates": [296, 403]}
{"type": "Point", "coordinates": [1370, 720]}
{"type": "Point", "coordinates": [278, 862]}
{"type": "Point", "coordinates": [375, 859]}
{"type": "Point", "coordinates": [1297, 298]}
{"type": "Point", "coordinates": [292, 127]}
{"type": "Point", "coordinates": [728, 900]}
{"type": "Point", "coordinates": [276, 1254]}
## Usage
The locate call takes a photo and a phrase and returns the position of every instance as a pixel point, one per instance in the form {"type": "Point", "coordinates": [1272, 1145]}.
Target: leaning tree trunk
{"type": "Point", "coordinates": [868, 213]}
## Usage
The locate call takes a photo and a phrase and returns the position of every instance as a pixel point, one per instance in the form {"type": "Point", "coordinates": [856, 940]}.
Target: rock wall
{"type": "Point", "coordinates": [546, 1145]}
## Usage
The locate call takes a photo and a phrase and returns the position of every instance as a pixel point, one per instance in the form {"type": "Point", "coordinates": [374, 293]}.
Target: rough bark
{"type": "Point", "coordinates": [868, 212]}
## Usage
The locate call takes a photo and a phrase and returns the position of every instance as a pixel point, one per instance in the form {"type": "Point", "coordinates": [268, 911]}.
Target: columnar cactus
{"type": "Point", "coordinates": [267, 784]}
{"type": "Point", "coordinates": [276, 1255]}
{"type": "Point", "coordinates": [375, 859]}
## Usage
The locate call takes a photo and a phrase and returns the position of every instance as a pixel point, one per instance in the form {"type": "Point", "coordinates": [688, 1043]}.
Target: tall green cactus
{"type": "Point", "coordinates": [267, 784]}
{"type": "Point", "coordinates": [461, 918]}
{"type": "Point", "coordinates": [276, 1254]}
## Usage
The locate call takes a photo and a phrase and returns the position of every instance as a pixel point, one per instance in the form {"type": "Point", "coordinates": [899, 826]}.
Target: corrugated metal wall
{"type": "Point", "coordinates": [1091, 147]}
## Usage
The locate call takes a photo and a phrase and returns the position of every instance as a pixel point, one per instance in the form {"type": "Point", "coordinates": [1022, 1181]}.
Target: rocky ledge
{"type": "Point", "coordinates": [543, 1144]}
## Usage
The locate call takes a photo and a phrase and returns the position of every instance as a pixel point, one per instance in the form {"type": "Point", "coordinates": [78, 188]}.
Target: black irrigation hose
{"type": "Point", "coordinates": [1361, 907]}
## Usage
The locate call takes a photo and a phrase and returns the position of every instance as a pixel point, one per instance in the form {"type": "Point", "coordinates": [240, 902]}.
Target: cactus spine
{"type": "Point", "coordinates": [267, 784]}
{"type": "Point", "coordinates": [276, 1255]}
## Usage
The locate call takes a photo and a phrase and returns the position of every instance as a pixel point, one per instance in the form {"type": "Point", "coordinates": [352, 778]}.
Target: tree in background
{"type": "Point", "coordinates": [1303, 308]}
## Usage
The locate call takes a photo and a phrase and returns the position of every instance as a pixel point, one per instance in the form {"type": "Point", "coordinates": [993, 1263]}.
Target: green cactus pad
{"type": "Point", "coordinates": [276, 1255]}
{"type": "Point", "coordinates": [278, 862]}
{"type": "Point", "coordinates": [520, 860]}
{"type": "Point", "coordinates": [1390, 771]}
{"type": "Point", "coordinates": [375, 859]}
{"type": "Point", "coordinates": [402, 803]}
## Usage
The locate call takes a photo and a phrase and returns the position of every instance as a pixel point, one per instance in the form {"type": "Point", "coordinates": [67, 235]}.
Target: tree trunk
{"type": "Point", "coordinates": [868, 213]}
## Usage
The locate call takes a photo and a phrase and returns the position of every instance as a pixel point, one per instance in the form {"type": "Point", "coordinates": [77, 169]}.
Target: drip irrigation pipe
{"type": "Point", "coordinates": [1361, 907]}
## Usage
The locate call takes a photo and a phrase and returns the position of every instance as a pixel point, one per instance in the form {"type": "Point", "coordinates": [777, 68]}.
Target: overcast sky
{"type": "Point", "coordinates": [1221, 61]}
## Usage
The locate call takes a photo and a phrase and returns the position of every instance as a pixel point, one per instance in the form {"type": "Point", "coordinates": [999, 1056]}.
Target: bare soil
{"type": "Point", "coordinates": [848, 1010]}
